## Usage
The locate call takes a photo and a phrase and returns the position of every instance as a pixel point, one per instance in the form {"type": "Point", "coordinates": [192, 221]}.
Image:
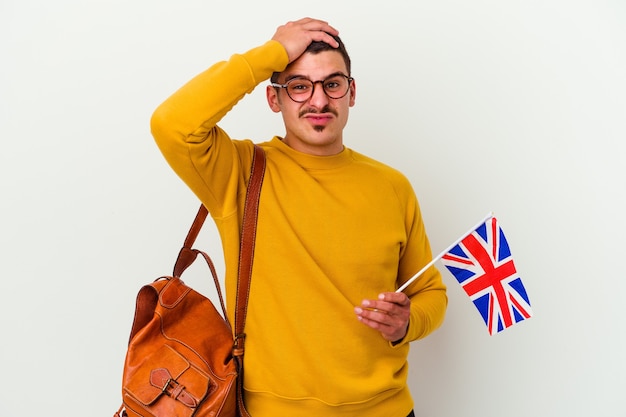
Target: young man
{"type": "Point", "coordinates": [338, 232]}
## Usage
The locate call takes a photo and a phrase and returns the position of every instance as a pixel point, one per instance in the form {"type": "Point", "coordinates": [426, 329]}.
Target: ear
{"type": "Point", "coordinates": [352, 93]}
{"type": "Point", "coordinates": [272, 98]}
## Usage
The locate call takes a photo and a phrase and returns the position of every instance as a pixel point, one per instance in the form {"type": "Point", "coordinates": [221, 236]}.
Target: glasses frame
{"type": "Point", "coordinates": [313, 83]}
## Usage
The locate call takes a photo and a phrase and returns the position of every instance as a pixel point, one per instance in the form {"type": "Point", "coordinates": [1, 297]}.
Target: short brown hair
{"type": "Point", "coordinates": [316, 47]}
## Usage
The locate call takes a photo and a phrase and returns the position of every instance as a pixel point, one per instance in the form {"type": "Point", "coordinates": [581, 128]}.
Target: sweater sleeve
{"type": "Point", "coordinates": [428, 293]}
{"type": "Point", "coordinates": [185, 125]}
{"type": "Point", "coordinates": [428, 306]}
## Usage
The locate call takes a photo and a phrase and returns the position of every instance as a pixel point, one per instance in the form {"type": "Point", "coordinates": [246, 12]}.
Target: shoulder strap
{"type": "Point", "coordinates": [187, 254]}
{"type": "Point", "coordinates": [246, 251]}
{"type": "Point", "coordinates": [246, 256]}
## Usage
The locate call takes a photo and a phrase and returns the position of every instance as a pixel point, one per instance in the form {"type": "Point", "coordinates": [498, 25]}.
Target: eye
{"type": "Point", "coordinates": [334, 84]}
{"type": "Point", "coordinates": [299, 86]}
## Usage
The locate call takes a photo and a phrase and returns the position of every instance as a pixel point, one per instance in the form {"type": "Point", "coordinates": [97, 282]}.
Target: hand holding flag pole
{"type": "Point", "coordinates": [481, 262]}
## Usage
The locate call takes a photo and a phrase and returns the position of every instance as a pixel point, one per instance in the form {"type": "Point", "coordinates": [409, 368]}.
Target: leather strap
{"type": "Point", "coordinates": [246, 256]}
{"type": "Point", "coordinates": [187, 255]}
{"type": "Point", "coordinates": [246, 251]}
{"type": "Point", "coordinates": [163, 380]}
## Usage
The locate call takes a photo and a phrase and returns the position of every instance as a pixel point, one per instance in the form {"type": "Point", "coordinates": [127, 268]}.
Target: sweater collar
{"type": "Point", "coordinates": [308, 161]}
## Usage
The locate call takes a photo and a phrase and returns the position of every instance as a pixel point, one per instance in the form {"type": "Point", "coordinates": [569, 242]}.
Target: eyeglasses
{"type": "Point", "coordinates": [301, 89]}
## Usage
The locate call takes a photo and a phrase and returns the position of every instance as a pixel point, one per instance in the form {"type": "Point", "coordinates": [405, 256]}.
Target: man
{"type": "Point", "coordinates": [337, 233]}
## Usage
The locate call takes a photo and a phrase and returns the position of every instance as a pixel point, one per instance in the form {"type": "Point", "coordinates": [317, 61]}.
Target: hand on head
{"type": "Point", "coordinates": [297, 36]}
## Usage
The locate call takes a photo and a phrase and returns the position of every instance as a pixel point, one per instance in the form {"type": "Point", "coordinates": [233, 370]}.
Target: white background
{"type": "Point", "coordinates": [511, 106]}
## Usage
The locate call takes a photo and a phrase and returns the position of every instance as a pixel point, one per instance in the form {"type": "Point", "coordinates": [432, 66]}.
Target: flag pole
{"type": "Point", "coordinates": [431, 263]}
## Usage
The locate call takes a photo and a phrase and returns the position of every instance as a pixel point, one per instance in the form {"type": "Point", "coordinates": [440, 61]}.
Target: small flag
{"type": "Point", "coordinates": [482, 263]}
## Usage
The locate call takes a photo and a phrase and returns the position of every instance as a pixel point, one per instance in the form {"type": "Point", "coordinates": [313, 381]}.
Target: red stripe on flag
{"type": "Point", "coordinates": [457, 259]}
{"type": "Point", "coordinates": [521, 309]}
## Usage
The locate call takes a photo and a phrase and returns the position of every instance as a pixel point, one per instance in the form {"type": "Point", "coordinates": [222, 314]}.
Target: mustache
{"type": "Point", "coordinates": [325, 109]}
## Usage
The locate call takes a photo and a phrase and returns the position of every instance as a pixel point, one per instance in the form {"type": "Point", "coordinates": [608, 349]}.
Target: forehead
{"type": "Point", "coordinates": [316, 66]}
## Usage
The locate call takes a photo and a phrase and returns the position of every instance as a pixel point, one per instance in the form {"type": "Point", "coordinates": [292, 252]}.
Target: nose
{"type": "Point", "coordinates": [318, 98]}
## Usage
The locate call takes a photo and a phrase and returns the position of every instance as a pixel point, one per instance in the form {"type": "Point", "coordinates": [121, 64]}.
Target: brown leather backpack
{"type": "Point", "coordinates": [183, 359]}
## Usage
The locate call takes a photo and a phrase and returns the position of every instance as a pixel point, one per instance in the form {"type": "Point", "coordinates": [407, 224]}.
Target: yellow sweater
{"type": "Point", "coordinates": [332, 231]}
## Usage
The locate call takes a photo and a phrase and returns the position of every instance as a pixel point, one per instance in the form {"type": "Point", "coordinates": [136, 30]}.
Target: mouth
{"type": "Point", "coordinates": [319, 120]}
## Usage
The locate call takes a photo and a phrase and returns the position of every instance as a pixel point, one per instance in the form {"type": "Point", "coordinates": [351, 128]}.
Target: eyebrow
{"type": "Point", "coordinates": [294, 76]}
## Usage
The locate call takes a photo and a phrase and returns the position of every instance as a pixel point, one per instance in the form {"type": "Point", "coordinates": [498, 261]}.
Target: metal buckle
{"type": "Point", "coordinates": [167, 385]}
{"type": "Point", "coordinates": [239, 337]}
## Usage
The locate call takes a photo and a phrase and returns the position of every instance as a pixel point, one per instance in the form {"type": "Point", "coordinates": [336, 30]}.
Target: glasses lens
{"type": "Point", "coordinates": [300, 89]}
{"type": "Point", "coordinates": [336, 86]}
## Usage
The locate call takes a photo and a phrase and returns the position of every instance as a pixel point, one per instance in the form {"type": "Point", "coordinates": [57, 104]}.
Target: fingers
{"type": "Point", "coordinates": [389, 314]}
{"type": "Point", "coordinates": [296, 36]}
{"type": "Point", "coordinates": [314, 25]}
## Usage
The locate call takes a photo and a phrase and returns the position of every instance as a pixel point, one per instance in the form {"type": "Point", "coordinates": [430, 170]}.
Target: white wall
{"type": "Point", "coordinates": [513, 106]}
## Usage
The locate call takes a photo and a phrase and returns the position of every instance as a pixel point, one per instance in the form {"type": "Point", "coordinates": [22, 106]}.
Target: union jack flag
{"type": "Point", "coordinates": [482, 263]}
